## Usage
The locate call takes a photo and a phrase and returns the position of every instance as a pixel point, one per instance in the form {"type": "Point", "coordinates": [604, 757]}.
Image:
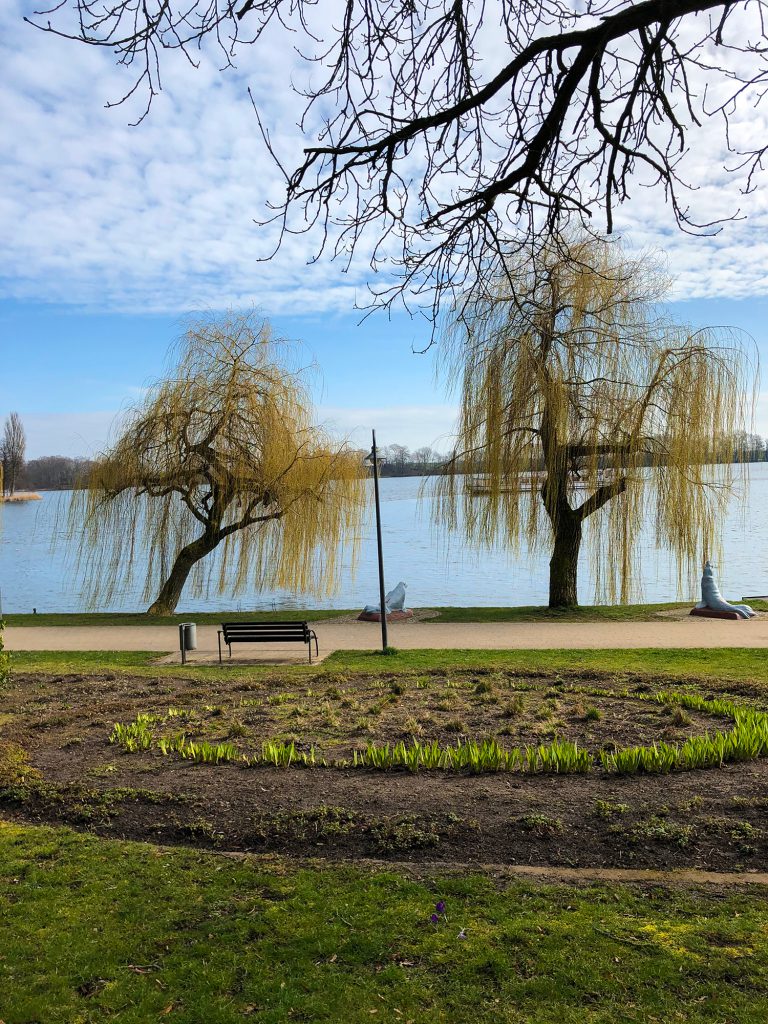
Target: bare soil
{"type": "Point", "coordinates": [711, 820]}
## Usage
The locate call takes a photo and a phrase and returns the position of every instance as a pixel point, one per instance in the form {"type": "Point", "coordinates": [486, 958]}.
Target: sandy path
{"type": "Point", "coordinates": [333, 636]}
{"type": "Point", "coordinates": [549, 874]}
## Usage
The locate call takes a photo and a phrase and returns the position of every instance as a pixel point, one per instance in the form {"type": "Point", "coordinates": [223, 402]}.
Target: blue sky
{"type": "Point", "coordinates": [72, 370]}
{"type": "Point", "coordinates": [110, 234]}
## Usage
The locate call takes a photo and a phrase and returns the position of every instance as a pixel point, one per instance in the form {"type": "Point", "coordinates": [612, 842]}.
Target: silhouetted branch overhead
{"type": "Point", "coordinates": [446, 136]}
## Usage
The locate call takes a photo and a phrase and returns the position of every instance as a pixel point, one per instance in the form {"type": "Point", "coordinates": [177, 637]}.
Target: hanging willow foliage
{"type": "Point", "coordinates": [582, 401]}
{"type": "Point", "coordinates": [222, 454]}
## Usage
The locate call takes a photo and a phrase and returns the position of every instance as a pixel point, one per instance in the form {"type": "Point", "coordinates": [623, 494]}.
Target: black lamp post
{"type": "Point", "coordinates": [382, 606]}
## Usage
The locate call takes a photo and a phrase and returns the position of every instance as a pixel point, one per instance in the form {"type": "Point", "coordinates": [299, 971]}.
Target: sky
{"type": "Point", "coordinates": [110, 235]}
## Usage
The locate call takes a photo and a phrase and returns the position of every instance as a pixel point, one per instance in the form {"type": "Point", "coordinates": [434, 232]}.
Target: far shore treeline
{"type": "Point", "coordinates": [59, 473]}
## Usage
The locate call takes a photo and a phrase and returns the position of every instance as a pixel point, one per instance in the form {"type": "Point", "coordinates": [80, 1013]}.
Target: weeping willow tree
{"type": "Point", "coordinates": [581, 401]}
{"type": "Point", "coordinates": [222, 454]}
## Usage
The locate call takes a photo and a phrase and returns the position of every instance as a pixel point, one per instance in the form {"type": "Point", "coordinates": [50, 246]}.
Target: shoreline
{"type": "Point", "coordinates": [435, 615]}
{"type": "Point", "coordinates": [20, 496]}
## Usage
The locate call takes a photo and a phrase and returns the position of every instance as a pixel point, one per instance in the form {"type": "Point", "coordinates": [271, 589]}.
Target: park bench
{"type": "Point", "coordinates": [267, 633]}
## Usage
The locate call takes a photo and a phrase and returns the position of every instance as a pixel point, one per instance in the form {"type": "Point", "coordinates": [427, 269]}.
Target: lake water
{"type": "Point", "coordinates": [438, 570]}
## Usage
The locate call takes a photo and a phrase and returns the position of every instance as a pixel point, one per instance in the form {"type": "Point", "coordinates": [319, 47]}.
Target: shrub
{"type": "Point", "coordinates": [14, 769]}
{"type": "Point", "coordinates": [514, 707]}
{"type": "Point", "coordinates": [658, 829]}
{"type": "Point", "coordinates": [680, 717]}
{"type": "Point", "coordinates": [455, 725]}
{"type": "Point", "coordinates": [606, 809]}
{"type": "Point", "coordinates": [404, 834]}
{"type": "Point", "coordinates": [542, 825]}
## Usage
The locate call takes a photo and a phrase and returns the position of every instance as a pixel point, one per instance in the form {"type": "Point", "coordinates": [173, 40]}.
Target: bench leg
{"type": "Point", "coordinates": [219, 639]}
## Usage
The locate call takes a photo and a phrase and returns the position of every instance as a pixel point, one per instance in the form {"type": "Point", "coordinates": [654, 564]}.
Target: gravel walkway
{"type": "Point", "coordinates": [334, 636]}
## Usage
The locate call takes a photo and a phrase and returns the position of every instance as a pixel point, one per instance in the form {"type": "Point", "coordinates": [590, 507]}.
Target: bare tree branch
{"type": "Point", "coordinates": [447, 137]}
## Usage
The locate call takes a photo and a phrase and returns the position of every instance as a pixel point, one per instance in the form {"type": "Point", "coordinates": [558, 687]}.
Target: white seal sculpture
{"type": "Point", "coordinates": [395, 599]}
{"type": "Point", "coordinates": [713, 599]}
{"type": "Point", "coordinates": [394, 605]}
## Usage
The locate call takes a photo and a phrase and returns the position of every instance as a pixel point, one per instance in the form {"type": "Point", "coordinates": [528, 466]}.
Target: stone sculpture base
{"type": "Point", "coordinates": [710, 613]}
{"type": "Point", "coordinates": [398, 616]}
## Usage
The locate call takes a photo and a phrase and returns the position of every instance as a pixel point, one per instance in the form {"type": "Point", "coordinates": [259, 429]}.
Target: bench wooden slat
{"type": "Point", "coordinates": [273, 627]}
{"type": "Point", "coordinates": [264, 633]}
{"type": "Point", "coordinates": [267, 632]}
{"type": "Point", "coordinates": [262, 627]}
{"type": "Point", "coordinates": [266, 622]}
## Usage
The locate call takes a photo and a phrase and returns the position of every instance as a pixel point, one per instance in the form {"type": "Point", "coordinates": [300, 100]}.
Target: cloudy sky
{"type": "Point", "coordinates": [110, 234]}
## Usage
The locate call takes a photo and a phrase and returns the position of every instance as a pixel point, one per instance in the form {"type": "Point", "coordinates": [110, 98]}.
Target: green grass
{"type": "Point", "coordinates": [97, 930]}
{"type": "Point", "coordinates": [714, 662]}
{"type": "Point", "coordinates": [585, 613]}
{"type": "Point", "coordinates": [64, 662]}
{"type": "Point", "coordinates": [142, 619]}
{"type": "Point", "coordinates": [144, 663]}
{"type": "Point", "coordinates": [737, 663]}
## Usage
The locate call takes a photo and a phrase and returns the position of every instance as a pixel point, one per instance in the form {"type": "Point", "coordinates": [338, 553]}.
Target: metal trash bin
{"type": "Point", "coordinates": [190, 635]}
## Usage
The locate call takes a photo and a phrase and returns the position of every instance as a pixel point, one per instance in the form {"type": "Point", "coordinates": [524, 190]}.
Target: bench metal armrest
{"type": "Point", "coordinates": [313, 636]}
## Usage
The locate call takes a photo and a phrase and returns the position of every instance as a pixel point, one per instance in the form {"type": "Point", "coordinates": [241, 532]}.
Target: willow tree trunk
{"type": "Point", "coordinates": [170, 592]}
{"type": "Point", "coordinates": [563, 565]}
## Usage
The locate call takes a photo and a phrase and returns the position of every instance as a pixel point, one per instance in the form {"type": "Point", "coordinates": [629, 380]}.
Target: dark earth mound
{"type": "Point", "coordinates": [714, 819]}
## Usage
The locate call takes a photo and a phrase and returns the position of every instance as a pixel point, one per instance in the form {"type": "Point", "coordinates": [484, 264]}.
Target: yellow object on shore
{"type": "Point", "coordinates": [21, 496]}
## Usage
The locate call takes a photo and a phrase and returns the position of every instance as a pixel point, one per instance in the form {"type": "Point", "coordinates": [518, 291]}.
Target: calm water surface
{"type": "Point", "coordinates": [35, 571]}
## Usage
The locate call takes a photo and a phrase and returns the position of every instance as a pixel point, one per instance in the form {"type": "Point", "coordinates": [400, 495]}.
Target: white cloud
{"type": "Point", "coordinates": [70, 434]}
{"type": "Point", "coordinates": [88, 433]}
{"type": "Point", "coordinates": [154, 218]}
{"type": "Point", "coordinates": [161, 217]}
{"type": "Point", "coordinates": [761, 414]}
{"type": "Point", "coordinates": [416, 426]}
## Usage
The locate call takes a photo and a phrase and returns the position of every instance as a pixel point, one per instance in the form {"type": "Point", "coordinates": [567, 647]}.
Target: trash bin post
{"type": "Point", "coordinates": [190, 636]}
{"type": "Point", "coordinates": [187, 639]}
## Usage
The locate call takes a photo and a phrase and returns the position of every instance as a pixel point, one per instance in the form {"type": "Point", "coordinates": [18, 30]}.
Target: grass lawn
{"type": "Point", "coordinates": [722, 662]}
{"type": "Point", "coordinates": [586, 613]}
{"type": "Point", "coordinates": [718, 662]}
{"type": "Point", "coordinates": [142, 619]}
{"type": "Point", "coordinates": [97, 930]}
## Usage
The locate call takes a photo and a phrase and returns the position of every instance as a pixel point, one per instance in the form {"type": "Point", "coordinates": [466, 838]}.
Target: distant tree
{"type": "Point", "coordinates": [568, 396]}
{"type": "Point", "coordinates": [14, 447]}
{"type": "Point", "coordinates": [448, 136]}
{"type": "Point", "coordinates": [55, 472]}
{"type": "Point", "coordinates": [398, 455]}
{"type": "Point", "coordinates": [748, 447]}
{"type": "Point", "coordinates": [424, 456]}
{"type": "Point", "coordinates": [223, 453]}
